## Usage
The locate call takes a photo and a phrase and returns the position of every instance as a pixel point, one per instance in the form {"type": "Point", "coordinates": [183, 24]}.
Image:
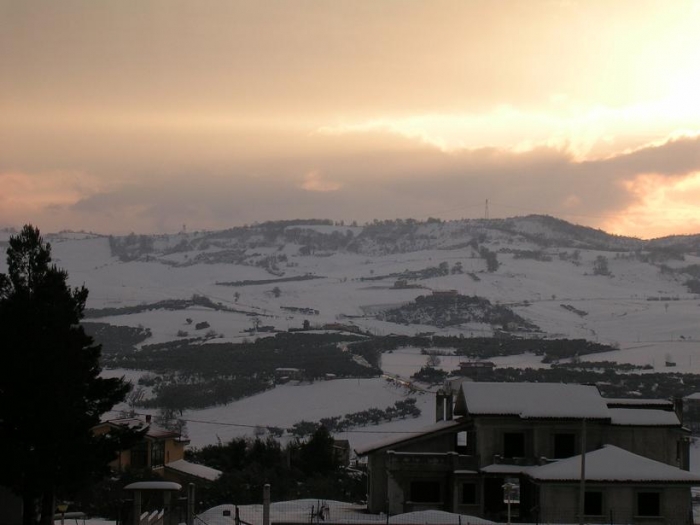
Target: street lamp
{"type": "Point", "coordinates": [508, 489]}
{"type": "Point", "coordinates": [62, 508]}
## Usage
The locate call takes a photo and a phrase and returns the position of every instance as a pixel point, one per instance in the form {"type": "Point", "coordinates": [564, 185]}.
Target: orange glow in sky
{"type": "Point", "coordinates": [121, 116]}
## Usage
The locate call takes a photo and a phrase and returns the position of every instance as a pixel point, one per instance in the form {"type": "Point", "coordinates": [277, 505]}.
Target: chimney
{"type": "Point", "coordinates": [443, 405]}
{"type": "Point", "coordinates": [678, 407]}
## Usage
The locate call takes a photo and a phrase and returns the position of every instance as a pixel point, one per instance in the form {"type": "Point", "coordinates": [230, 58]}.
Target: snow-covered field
{"type": "Point", "coordinates": [560, 295]}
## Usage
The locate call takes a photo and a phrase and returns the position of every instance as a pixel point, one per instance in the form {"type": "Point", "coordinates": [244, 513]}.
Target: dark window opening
{"type": "Point", "coordinates": [564, 445]}
{"type": "Point", "coordinates": [648, 504]}
{"type": "Point", "coordinates": [139, 455]}
{"type": "Point", "coordinates": [157, 453]}
{"type": "Point", "coordinates": [469, 493]}
{"type": "Point", "coordinates": [593, 504]}
{"type": "Point", "coordinates": [425, 492]}
{"type": "Point", "coordinates": [513, 445]}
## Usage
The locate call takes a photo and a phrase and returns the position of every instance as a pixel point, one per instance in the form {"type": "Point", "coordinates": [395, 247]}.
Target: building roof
{"type": "Point", "coordinates": [153, 431]}
{"type": "Point", "coordinates": [194, 469]}
{"type": "Point", "coordinates": [620, 402]}
{"type": "Point", "coordinates": [643, 417]}
{"type": "Point", "coordinates": [612, 464]}
{"type": "Point", "coordinates": [153, 485]}
{"type": "Point", "coordinates": [532, 400]}
{"type": "Point", "coordinates": [505, 468]}
{"type": "Point", "coordinates": [408, 436]}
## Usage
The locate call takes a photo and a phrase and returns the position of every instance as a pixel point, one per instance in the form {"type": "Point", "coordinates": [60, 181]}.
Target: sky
{"type": "Point", "coordinates": [151, 116]}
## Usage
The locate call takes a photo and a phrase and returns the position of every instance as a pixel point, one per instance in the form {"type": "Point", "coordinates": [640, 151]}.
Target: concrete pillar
{"type": "Point", "coordinates": [266, 504]}
{"type": "Point", "coordinates": [137, 507]}
{"type": "Point", "coordinates": [190, 503]}
{"type": "Point", "coordinates": [167, 508]}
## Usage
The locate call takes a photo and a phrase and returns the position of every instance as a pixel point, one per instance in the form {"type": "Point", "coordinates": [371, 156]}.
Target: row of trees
{"type": "Point", "coordinates": [300, 469]}
{"type": "Point", "coordinates": [51, 394]}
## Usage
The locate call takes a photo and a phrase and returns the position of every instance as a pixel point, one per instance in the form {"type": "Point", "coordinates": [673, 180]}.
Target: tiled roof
{"type": "Point", "coordinates": [643, 417]}
{"type": "Point", "coordinates": [194, 469]}
{"type": "Point", "coordinates": [408, 436]}
{"type": "Point", "coordinates": [613, 464]}
{"type": "Point", "coordinates": [532, 400]}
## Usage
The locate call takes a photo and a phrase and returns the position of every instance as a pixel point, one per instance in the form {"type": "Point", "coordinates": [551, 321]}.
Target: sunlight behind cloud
{"type": "Point", "coordinates": [314, 181]}
{"type": "Point", "coordinates": [662, 205]}
{"type": "Point", "coordinates": [583, 132]}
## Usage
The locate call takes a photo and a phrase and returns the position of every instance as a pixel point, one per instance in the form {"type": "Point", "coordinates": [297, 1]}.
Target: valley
{"type": "Point", "coordinates": [239, 291]}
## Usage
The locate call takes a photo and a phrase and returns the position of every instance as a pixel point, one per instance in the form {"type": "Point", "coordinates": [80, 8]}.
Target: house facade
{"type": "Point", "coordinates": [161, 451]}
{"type": "Point", "coordinates": [495, 442]}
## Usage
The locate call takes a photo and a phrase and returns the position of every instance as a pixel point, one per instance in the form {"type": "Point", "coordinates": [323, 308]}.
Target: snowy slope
{"type": "Point", "coordinates": [650, 314]}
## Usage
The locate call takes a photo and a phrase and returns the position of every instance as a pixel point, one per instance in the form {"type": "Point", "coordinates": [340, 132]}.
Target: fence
{"type": "Point", "coordinates": [316, 512]}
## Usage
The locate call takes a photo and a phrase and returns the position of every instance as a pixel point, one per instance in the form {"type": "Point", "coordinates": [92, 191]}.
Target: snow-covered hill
{"type": "Point", "coordinates": [567, 280]}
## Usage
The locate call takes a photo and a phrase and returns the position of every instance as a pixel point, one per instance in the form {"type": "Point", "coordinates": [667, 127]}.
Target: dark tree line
{"type": "Point", "coordinates": [51, 394]}
{"type": "Point", "coordinates": [300, 469]}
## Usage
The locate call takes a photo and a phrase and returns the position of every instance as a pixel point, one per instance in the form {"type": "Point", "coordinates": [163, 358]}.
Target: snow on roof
{"type": "Point", "coordinates": [437, 516]}
{"type": "Point", "coordinates": [154, 431]}
{"type": "Point", "coordinates": [153, 485]}
{"type": "Point", "coordinates": [407, 436]}
{"type": "Point", "coordinates": [503, 468]}
{"type": "Point", "coordinates": [194, 469]}
{"type": "Point", "coordinates": [306, 511]}
{"type": "Point", "coordinates": [532, 400]}
{"type": "Point", "coordinates": [643, 416]}
{"type": "Point", "coordinates": [622, 402]}
{"type": "Point", "coordinates": [613, 464]}
{"type": "Point", "coordinates": [128, 422]}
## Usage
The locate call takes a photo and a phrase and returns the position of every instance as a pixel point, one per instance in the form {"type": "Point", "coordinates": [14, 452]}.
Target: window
{"type": "Point", "coordinates": [513, 445]}
{"type": "Point", "coordinates": [593, 503]}
{"type": "Point", "coordinates": [462, 440]}
{"type": "Point", "coordinates": [139, 455]}
{"type": "Point", "coordinates": [564, 445]}
{"type": "Point", "coordinates": [648, 504]}
{"type": "Point", "coordinates": [426, 492]}
{"type": "Point", "coordinates": [157, 453]}
{"type": "Point", "coordinates": [469, 494]}
{"type": "Point", "coordinates": [466, 442]}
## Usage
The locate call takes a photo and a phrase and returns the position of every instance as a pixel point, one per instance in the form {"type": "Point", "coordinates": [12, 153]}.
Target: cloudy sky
{"type": "Point", "coordinates": [119, 116]}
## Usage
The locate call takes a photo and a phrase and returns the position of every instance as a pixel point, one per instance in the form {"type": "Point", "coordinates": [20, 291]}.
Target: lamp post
{"type": "Point", "coordinates": [62, 508]}
{"type": "Point", "coordinates": [508, 489]}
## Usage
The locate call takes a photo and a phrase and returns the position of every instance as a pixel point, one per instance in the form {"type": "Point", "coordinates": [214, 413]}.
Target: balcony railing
{"type": "Point", "coordinates": [435, 461]}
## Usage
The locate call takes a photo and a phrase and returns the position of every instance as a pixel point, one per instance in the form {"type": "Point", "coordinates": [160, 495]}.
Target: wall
{"type": "Point", "coordinates": [658, 443]}
{"type": "Point", "coordinates": [539, 436]}
{"type": "Point", "coordinates": [559, 503]}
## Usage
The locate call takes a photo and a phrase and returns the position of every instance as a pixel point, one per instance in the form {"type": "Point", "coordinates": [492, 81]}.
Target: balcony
{"type": "Point", "coordinates": [431, 461]}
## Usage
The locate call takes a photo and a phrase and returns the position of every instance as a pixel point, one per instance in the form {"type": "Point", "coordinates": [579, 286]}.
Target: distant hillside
{"type": "Point", "coordinates": [549, 231]}
{"type": "Point", "coordinates": [270, 243]}
{"type": "Point", "coordinates": [537, 276]}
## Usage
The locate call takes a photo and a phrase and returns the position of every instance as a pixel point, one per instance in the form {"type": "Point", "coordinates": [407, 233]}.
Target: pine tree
{"type": "Point", "coordinates": [51, 394]}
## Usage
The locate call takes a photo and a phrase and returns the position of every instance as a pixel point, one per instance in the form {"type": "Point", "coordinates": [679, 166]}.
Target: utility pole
{"type": "Point", "coordinates": [582, 487]}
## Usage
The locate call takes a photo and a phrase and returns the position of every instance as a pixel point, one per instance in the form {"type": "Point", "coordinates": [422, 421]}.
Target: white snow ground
{"type": "Point", "coordinates": [615, 310]}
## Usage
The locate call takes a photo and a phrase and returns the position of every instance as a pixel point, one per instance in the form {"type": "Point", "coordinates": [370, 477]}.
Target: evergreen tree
{"type": "Point", "coordinates": [318, 454]}
{"type": "Point", "coordinates": [51, 394]}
